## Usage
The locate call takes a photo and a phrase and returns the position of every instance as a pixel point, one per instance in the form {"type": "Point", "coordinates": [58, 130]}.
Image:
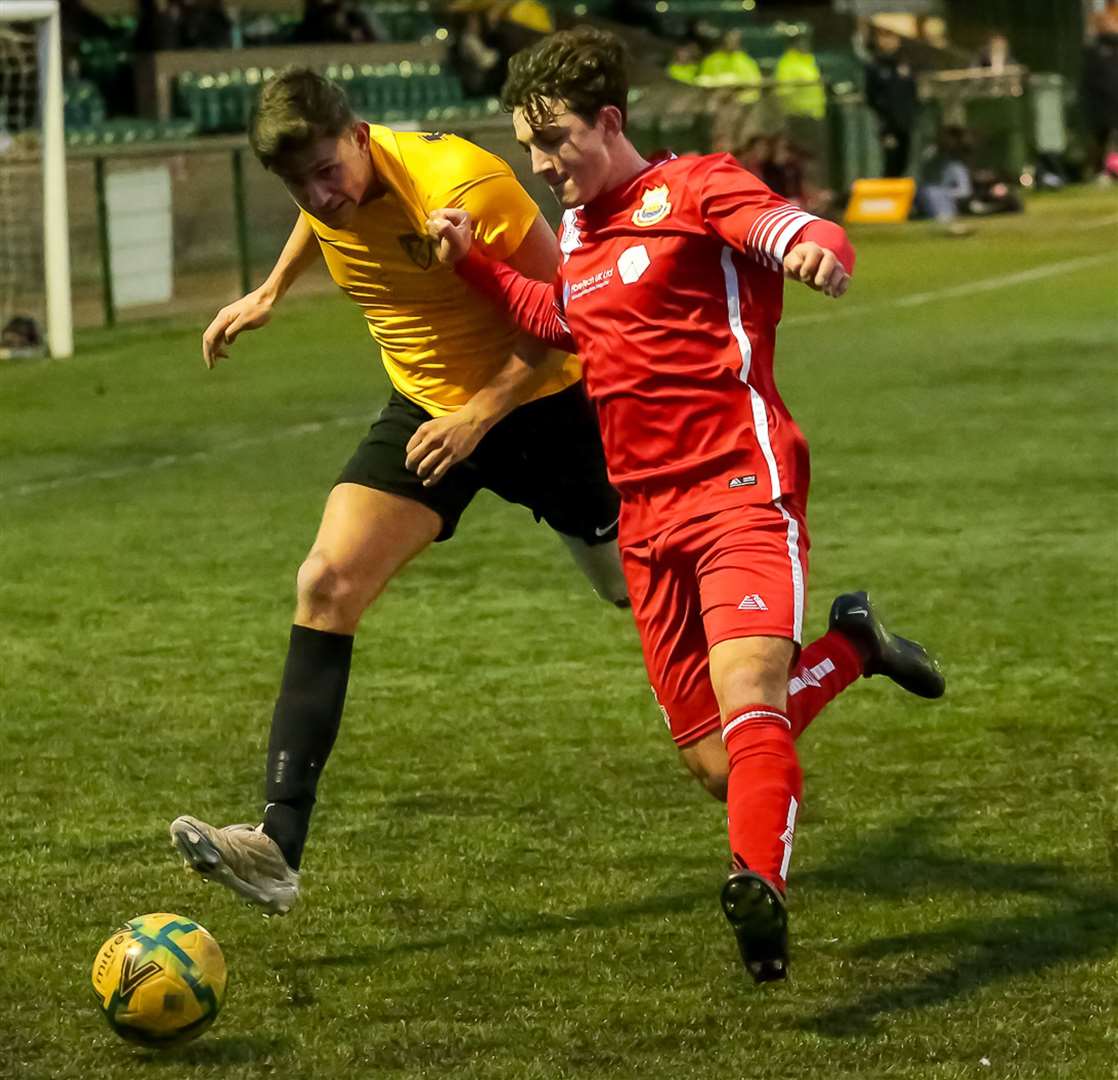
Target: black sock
{"type": "Point", "coordinates": [304, 727]}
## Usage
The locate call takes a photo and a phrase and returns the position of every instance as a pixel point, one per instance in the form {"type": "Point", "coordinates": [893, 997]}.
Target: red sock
{"type": "Point", "coordinates": [826, 668]}
{"type": "Point", "coordinates": [765, 788]}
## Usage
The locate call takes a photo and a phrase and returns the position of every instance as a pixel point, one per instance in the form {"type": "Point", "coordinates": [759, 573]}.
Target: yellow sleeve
{"type": "Point", "coordinates": [485, 187]}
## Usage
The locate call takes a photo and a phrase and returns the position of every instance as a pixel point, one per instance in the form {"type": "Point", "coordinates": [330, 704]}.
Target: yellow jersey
{"type": "Point", "coordinates": [440, 342]}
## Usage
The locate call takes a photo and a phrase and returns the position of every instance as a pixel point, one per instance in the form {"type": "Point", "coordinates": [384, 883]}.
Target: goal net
{"type": "Point", "coordinates": [35, 315]}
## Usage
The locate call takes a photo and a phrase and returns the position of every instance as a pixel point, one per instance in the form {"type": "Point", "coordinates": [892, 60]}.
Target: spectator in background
{"type": "Point", "coordinates": [183, 24]}
{"type": "Point", "coordinates": [487, 34]}
{"type": "Point", "coordinates": [204, 24]}
{"type": "Point", "coordinates": [684, 66]}
{"type": "Point", "coordinates": [340, 21]}
{"type": "Point", "coordinates": [158, 26]}
{"type": "Point", "coordinates": [946, 184]}
{"type": "Point", "coordinates": [933, 31]}
{"type": "Point", "coordinates": [730, 65]}
{"type": "Point", "coordinates": [480, 65]}
{"type": "Point", "coordinates": [1100, 90]}
{"type": "Point", "coordinates": [891, 94]}
{"type": "Point", "coordinates": [936, 48]}
{"type": "Point", "coordinates": [786, 173]}
{"type": "Point", "coordinates": [996, 54]}
{"type": "Point", "coordinates": [800, 82]}
{"type": "Point", "coordinates": [993, 194]}
{"type": "Point", "coordinates": [700, 30]}
{"type": "Point", "coordinates": [518, 24]}
{"type": "Point", "coordinates": [754, 156]}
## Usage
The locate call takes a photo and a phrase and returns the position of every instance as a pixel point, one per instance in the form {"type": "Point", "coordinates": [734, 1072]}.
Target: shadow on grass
{"type": "Point", "coordinates": [1078, 921]}
{"type": "Point", "coordinates": [527, 926]}
{"type": "Point", "coordinates": [217, 1049]}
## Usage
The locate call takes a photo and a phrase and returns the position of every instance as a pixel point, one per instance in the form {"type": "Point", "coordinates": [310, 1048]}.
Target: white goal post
{"type": "Point", "coordinates": [42, 17]}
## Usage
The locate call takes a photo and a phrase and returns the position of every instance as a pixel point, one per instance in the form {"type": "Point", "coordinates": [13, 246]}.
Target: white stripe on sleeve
{"type": "Point", "coordinates": [781, 242]}
{"type": "Point", "coordinates": [772, 224]}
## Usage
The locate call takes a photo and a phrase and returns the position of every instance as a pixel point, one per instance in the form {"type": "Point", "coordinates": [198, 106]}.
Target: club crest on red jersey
{"type": "Point", "coordinates": [654, 207]}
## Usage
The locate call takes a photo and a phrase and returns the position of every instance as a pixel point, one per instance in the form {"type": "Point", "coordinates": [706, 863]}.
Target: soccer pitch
{"type": "Point", "coordinates": [509, 875]}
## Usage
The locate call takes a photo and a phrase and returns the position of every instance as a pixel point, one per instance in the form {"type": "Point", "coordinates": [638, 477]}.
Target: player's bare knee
{"type": "Point", "coordinates": [751, 688]}
{"type": "Point", "coordinates": [326, 593]}
{"type": "Point", "coordinates": [749, 672]}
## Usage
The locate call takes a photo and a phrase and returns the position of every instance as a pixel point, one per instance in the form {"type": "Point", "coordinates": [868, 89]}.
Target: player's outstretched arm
{"type": "Point", "coordinates": [530, 303]}
{"type": "Point", "coordinates": [441, 443]}
{"type": "Point", "coordinates": [753, 219]}
{"type": "Point", "coordinates": [819, 268]}
{"type": "Point", "coordinates": [255, 309]}
{"type": "Point", "coordinates": [821, 256]}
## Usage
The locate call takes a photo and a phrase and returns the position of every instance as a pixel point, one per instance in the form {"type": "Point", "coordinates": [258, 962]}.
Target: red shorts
{"type": "Point", "coordinates": [736, 573]}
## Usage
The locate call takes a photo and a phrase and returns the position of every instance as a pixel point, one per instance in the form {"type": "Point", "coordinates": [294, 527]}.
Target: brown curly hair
{"type": "Point", "coordinates": [584, 67]}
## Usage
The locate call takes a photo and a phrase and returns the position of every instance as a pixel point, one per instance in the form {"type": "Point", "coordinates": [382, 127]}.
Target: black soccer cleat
{"type": "Point", "coordinates": [759, 919]}
{"type": "Point", "coordinates": [906, 662]}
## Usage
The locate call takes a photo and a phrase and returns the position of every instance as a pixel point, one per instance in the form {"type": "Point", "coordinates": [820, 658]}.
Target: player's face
{"type": "Point", "coordinates": [333, 177]}
{"type": "Point", "coordinates": [572, 156]}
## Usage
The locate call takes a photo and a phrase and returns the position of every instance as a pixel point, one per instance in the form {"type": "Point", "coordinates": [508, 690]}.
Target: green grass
{"type": "Point", "coordinates": [509, 875]}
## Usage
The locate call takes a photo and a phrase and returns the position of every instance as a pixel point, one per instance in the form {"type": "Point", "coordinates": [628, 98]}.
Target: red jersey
{"type": "Point", "coordinates": [670, 290]}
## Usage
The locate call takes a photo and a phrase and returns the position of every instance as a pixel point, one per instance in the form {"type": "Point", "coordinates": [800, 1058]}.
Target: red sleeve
{"type": "Point", "coordinates": [531, 304]}
{"type": "Point", "coordinates": [830, 236]}
{"type": "Point", "coordinates": [750, 216]}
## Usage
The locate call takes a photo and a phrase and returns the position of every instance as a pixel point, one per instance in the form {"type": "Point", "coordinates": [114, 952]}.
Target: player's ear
{"type": "Point", "coordinates": [609, 120]}
{"type": "Point", "coordinates": [360, 134]}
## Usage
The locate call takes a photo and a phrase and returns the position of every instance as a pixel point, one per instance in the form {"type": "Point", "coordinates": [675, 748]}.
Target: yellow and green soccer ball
{"type": "Point", "coordinates": [160, 980]}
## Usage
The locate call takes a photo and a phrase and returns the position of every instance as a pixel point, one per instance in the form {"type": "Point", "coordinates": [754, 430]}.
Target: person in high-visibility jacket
{"type": "Point", "coordinates": [731, 65]}
{"type": "Point", "coordinates": [800, 82]}
{"type": "Point", "coordinates": [684, 66]}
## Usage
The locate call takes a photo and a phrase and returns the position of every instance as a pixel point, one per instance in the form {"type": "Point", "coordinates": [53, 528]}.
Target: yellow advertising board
{"type": "Point", "coordinates": [877, 202]}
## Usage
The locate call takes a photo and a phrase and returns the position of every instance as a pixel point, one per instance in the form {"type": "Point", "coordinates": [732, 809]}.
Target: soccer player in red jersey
{"type": "Point", "coordinates": [670, 290]}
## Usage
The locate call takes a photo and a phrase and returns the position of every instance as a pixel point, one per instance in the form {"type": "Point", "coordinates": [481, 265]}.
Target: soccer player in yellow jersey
{"type": "Point", "coordinates": [472, 405]}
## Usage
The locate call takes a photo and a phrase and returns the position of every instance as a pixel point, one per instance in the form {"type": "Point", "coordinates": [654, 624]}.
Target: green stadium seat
{"type": "Point", "coordinates": [129, 130]}
{"type": "Point", "coordinates": [83, 105]}
{"type": "Point", "coordinates": [223, 102]}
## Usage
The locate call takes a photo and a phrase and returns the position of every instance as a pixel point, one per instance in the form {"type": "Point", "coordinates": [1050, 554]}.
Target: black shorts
{"type": "Point", "coordinates": [545, 455]}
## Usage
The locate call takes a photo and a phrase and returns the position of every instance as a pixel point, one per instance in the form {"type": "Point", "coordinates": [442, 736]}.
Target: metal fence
{"type": "Point", "coordinates": [228, 221]}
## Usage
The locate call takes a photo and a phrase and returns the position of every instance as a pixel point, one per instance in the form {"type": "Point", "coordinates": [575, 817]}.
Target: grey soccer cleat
{"type": "Point", "coordinates": [242, 858]}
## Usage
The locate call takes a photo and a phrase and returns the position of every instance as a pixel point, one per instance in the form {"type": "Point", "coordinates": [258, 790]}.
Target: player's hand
{"type": "Point", "coordinates": [442, 443]}
{"type": "Point", "coordinates": [817, 268]}
{"type": "Point", "coordinates": [248, 313]}
{"type": "Point", "coordinates": [454, 232]}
